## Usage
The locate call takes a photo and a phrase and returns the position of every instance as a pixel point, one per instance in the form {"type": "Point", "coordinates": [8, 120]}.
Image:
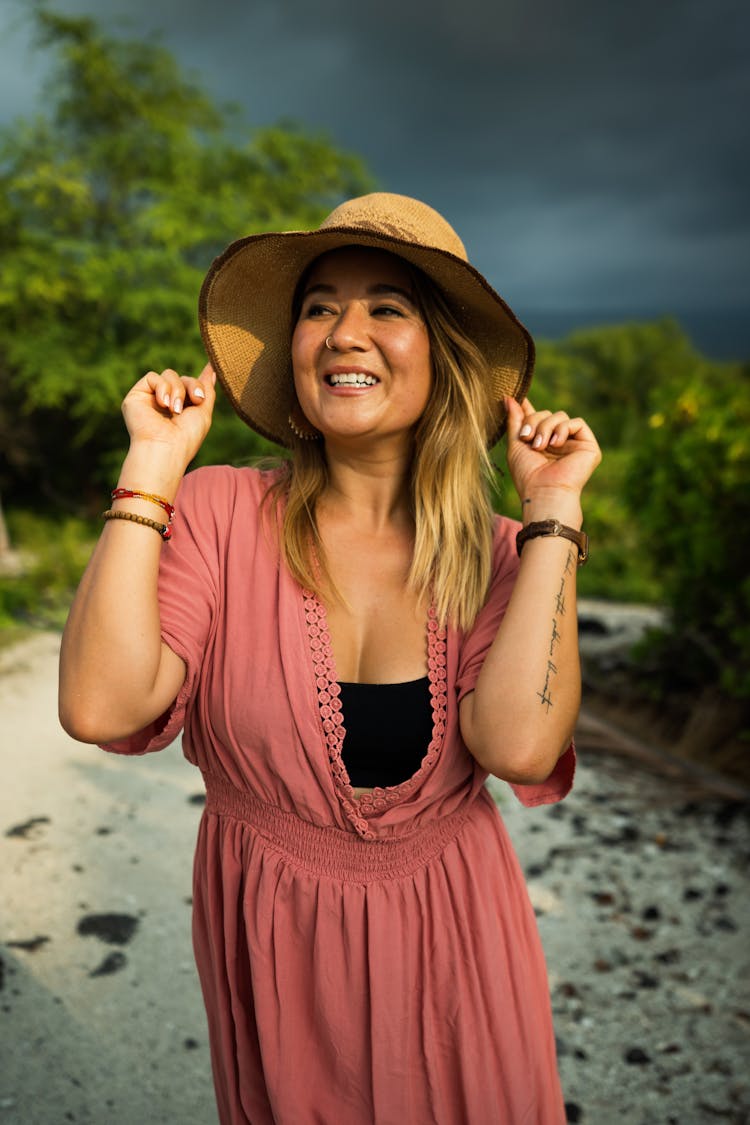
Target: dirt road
{"type": "Point", "coordinates": [639, 888]}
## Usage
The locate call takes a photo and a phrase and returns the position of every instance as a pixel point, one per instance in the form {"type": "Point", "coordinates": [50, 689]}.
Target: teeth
{"type": "Point", "coordinates": [352, 378]}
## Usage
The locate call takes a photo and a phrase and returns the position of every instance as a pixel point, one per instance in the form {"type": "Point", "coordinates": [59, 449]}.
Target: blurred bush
{"type": "Point", "coordinates": [688, 484]}
{"type": "Point", "coordinates": [113, 203]}
{"type": "Point", "coordinates": [668, 513]}
{"type": "Point", "coordinates": [37, 581]}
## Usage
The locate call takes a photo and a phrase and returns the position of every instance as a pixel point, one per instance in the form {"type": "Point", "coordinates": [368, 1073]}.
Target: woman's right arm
{"type": "Point", "coordinates": [116, 674]}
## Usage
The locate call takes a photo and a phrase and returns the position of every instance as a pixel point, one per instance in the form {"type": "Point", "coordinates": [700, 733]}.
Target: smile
{"type": "Point", "coordinates": [351, 379]}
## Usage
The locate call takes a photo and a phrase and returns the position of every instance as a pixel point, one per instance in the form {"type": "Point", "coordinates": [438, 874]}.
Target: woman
{"type": "Point", "coordinates": [351, 643]}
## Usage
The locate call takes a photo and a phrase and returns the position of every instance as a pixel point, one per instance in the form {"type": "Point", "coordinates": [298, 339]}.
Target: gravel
{"type": "Point", "coordinates": [639, 886]}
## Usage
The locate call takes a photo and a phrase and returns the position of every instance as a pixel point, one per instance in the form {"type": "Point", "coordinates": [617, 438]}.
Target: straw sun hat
{"type": "Point", "coordinates": [246, 304]}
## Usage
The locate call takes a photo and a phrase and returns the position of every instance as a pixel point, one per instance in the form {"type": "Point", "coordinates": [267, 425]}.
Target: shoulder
{"type": "Point", "coordinates": [212, 485]}
{"type": "Point", "coordinates": [214, 499]}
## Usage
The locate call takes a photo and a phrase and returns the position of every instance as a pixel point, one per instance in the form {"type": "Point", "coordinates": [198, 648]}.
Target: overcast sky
{"type": "Point", "coordinates": [592, 154]}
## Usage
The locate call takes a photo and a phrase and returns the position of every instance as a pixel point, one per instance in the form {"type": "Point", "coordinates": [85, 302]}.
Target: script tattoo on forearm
{"type": "Point", "coordinates": [545, 695]}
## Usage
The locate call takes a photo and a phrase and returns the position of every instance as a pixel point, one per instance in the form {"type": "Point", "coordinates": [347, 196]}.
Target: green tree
{"type": "Point", "coordinates": [689, 487]}
{"type": "Point", "coordinates": [607, 373]}
{"type": "Point", "coordinates": [112, 205]}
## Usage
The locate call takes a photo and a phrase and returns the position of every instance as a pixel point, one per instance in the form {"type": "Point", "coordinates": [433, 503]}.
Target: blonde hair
{"type": "Point", "coordinates": [449, 483]}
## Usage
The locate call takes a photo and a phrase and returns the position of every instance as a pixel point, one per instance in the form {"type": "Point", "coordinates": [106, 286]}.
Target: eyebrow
{"type": "Point", "coordinates": [379, 289]}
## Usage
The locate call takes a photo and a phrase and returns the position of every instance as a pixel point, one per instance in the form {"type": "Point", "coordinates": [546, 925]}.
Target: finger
{"type": "Point", "coordinates": [191, 391]}
{"type": "Point", "coordinates": [581, 431]}
{"type": "Point", "coordinates": [573, 436]}
{"type": "Point", "coordinates": [541, 428]}
{"type": "Point", "coordinates": [560, 434]}
{"type": "Point", "coordinates": [518, 413]}
{"type": "Point", "coordinates": [558, 429]}
{"type": "Point", "coordinates": [166, 387]}
{"type": "Point", "coordinates": [538, 427]}
{"type": "Point", "coordinates": [514, 413]}
{"type": "Point", "coordinates": [197, 392]}
{"type": "Point", "coordinates": [208, 375]}
{"type": "Point", "coordinates": [174, 400]}
{"type": "Point", "coordinates": [202, 388]}
{"type": "Point", "coordinates": [531, 425]}
{"type": "Point", "coordinates": [155, 383]}
{"type": "Point", "coordinates": [551, 426]}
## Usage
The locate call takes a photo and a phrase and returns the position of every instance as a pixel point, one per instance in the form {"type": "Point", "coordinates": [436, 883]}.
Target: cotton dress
{"type": "Point", "coordinates": [369, 961]}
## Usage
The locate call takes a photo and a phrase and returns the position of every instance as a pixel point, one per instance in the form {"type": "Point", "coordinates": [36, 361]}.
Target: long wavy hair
{"type": "Point", "coordinates": [449, 480]}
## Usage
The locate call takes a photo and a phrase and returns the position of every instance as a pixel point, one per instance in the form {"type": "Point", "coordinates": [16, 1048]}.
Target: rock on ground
{"type": "Point", "coordinates": [641, 895]}
{"type": "Point", "coordinates": [640, 892]}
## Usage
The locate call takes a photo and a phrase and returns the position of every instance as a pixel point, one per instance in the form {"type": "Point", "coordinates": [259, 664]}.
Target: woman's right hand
{"type": "Point", "coordinates": [116, 673]}
{"type": "Point", "coordinates": [171, 409]}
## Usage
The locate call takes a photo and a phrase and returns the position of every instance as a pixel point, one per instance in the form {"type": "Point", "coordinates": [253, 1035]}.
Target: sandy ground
{"type": "Point", "coordinates": [640, 890]}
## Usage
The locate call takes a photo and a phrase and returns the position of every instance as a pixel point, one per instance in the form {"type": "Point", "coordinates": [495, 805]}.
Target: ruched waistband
{"type": "Point", "coordinates": [333, 851]}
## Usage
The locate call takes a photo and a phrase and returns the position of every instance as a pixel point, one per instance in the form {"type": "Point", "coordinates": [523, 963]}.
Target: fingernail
{"type": "Point", "coordinates": [554, 439]}
{"type": "Point", "coordinates": [199, 392]}
{"type": "Point", "coordinates": [178, 406]}
{"type": "Point", "coordinates": [165, 399]}
{"type": "Point", "coordinates": [537, 441]}
{"type": "Point", "coordinates": [525, 431]}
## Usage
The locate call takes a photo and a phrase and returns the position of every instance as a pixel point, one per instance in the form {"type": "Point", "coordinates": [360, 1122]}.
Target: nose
{"type": "Point", "coordinates": [350, 332]}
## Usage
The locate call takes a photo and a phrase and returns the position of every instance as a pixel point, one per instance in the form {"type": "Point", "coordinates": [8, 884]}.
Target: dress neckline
{"type": "Point", "coordinates": [359, 809]}
{"type": "Point", "coordinates": [369, 684]}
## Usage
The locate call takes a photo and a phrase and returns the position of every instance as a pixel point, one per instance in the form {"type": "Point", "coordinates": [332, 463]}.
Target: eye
{"type": "Point", "coordinates": [387, 311]}
{"type": "Point", "coordinates": [316, 310]}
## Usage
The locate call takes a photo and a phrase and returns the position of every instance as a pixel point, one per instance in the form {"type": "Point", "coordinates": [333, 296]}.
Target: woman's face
{"type": "Point", "coordinates": [377, 379]}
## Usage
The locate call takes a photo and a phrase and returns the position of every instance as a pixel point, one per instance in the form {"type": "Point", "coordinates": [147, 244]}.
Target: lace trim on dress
{"type": "Point", "coordinates": [358, 809]}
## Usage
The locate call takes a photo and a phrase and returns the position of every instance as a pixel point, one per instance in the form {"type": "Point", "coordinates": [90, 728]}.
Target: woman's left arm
{"type": "Point", "coordinates": [520, 717]}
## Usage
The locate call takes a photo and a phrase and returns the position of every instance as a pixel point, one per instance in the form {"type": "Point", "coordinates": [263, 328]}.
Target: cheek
{"type": "Point", "coordinates": [411, 348]}
{"type": "Point", "coordinates": [297, 348]}
{"type": "Point", "coordinates": [303, 355]}
{"type": "Point", "coordinates": [420, 361]}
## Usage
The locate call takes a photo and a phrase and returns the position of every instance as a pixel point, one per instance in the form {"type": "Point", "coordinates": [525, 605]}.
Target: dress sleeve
{"type": "Point", "coordinates": [189, 582]}
{"type": "Point", "coordinates": [476, 644]}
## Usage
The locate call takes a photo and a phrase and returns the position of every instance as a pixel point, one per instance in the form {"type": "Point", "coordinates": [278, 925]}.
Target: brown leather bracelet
{"type": "Point", "coordinates": [554, 527]}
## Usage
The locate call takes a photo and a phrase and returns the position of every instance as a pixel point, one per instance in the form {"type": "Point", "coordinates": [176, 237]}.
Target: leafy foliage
{"type": "Point", "coordinates": [689, 486]}
{"type": "Point", "coordinates": [39, 589]}
{"type": "Point", "coordinates": [668, 511]}
{"type": "Point", "coordinates": [112, 206]}
{"type": "Point", "coordinates": [608, 374]}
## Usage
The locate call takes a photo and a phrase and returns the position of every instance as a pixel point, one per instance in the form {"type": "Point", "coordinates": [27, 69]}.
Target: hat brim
{"type": "Point", "coordinates": [245, 313]}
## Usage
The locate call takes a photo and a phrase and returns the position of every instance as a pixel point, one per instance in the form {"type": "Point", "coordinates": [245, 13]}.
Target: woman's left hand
{"type": "Point", "coordinates": [548, 452]}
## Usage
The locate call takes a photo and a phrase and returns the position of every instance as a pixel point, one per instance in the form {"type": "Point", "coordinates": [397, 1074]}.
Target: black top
{"type": "Point", "coordinates": [388, 729]}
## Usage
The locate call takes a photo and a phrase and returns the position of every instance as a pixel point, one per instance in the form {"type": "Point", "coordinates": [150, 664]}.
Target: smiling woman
{"type": "Point", "coordinates": [350, 643]}
{"type": "Point", "coordinates": [361, 350]}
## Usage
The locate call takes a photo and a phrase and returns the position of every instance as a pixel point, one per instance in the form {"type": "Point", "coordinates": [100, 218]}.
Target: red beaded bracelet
{"type": "Point", "coordinates": [164, 529]}
{"type": "Point", "coordinates": [130, 493]}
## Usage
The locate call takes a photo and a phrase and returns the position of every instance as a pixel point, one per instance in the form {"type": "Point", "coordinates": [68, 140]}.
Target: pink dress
{"type": "Point", "coordinates": [363, 962]}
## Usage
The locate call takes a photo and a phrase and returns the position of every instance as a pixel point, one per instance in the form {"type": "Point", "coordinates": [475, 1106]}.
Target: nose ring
{"type": "Point", "coordinates": [331, 347]}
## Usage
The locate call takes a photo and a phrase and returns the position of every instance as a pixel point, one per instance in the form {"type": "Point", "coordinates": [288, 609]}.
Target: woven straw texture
{"type": "Point", "coordinates": [246, 303]}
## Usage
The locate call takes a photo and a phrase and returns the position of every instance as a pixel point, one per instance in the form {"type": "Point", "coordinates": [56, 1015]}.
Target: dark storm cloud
{"type": "Point", "coordinates": [591, 154]}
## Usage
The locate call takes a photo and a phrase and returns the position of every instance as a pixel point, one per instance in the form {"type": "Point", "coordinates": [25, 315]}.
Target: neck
{"type": "Point", "coordinates": [369, 487]}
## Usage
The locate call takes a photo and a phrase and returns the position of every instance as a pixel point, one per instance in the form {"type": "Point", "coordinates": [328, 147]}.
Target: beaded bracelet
{"type": "Point", "coordinates": [164, 530]}
{"type": "Point", "coordinates": [130, 493]}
